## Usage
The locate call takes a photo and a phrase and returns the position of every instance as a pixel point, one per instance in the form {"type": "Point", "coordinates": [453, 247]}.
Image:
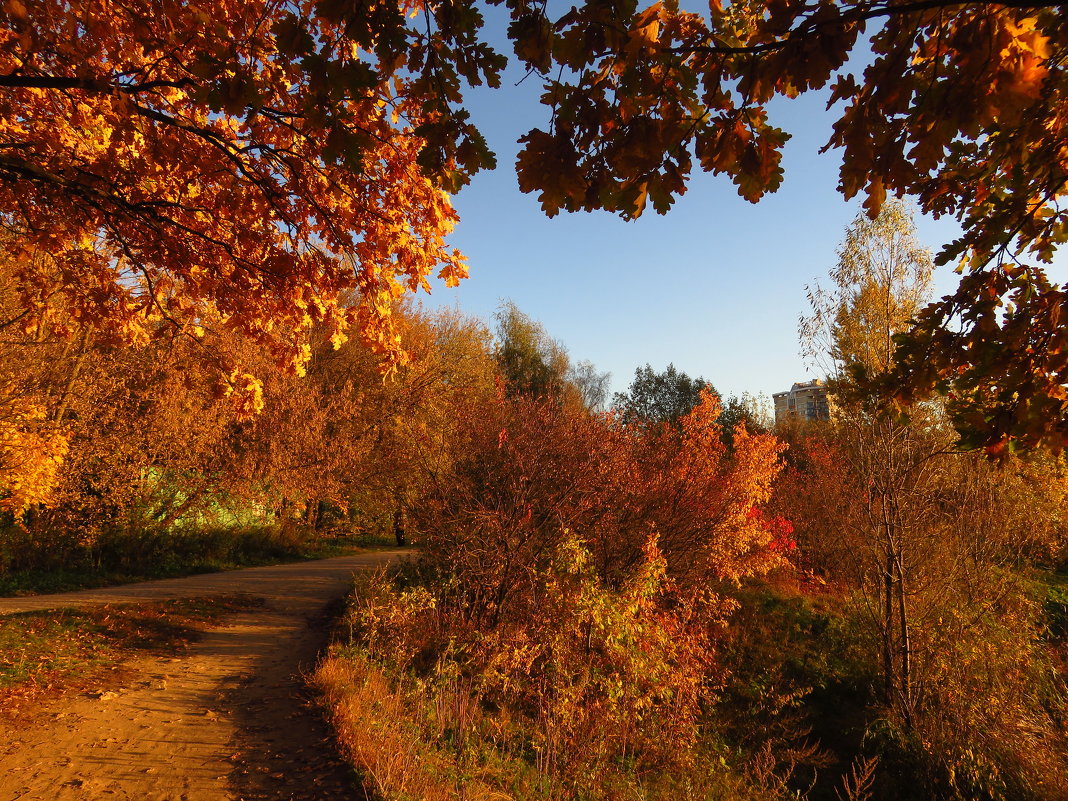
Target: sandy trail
{"type": "Point", "coordinates": [227, 721]}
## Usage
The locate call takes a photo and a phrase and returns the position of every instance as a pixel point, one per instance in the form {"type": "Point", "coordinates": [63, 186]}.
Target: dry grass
{"type": "Point", "coordinates": [389, 736]}
{"type": "Point", "coordinates": [383, 737]}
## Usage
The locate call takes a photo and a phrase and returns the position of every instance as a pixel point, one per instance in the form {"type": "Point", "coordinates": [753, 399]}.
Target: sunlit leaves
{"type": "Point", "coordinates": [881, 281]}
{"type": "Point", "coordinates": [961, 107]}
{"type": "Point", "coordinates": [1005, 372]}
{"type": "Point", "coordinates": [255, 160]}
{"type": "Point", "coordinates": [32, 450]}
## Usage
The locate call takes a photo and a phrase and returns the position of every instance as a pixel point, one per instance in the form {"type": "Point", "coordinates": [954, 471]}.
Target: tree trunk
{"type": "Point", "coordinates": [60, 409]}
{"type": "Point", "coordinates": [399, 525]}
{"type": "Point", "coordinates": [889, 687]}
{"type": "Point", "coordinates": [904, 645]}
{"type": "Point", "coordinates": [311, 512]}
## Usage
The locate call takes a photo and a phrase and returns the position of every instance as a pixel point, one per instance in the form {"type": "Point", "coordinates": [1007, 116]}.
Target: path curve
{"type": "Point", "coordinates": [300, 586]}
{"type": "Point", "coordinates": [227, 721]}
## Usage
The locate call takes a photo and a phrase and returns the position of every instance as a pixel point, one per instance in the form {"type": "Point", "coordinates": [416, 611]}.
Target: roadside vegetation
{"type": "Point", "coordinates": [673, 601]}
{"type": "Point", "coordinates": [122, 464]}
{"type": "Point", "coordinates": [791, 707]}
{"type": "Point", "coordinates": [121, 557]}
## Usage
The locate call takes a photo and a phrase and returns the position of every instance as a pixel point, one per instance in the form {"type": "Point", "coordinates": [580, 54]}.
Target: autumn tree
{"type": "Point", "coordinates": [254, 157]}
{"type": "Point", "coordinates": [591, 384]}
{"type": "Point", "coordinates": [150, 459]}
{"type": "Point", "coordinates": [659, 397]}
{"type": "Point", "coordinates": [37, 375]}
{"type": "Point", "coordinates": [409, 427]}
{"type": "Point", "coordinates": [745, 412]}
{"type": "Point", "coordinates": [142, 444]}
{"type": "Point", "coordinates": [531, 362]}
{"type": "Point", "coordinates": [152, 449]}
{"type": "Point", "coordinates": [880, 281]}
{"type": "Point", "coordinates": [266, 161]}
{"type": "Point", "coordinates": [536, 473]}
{"type": "Point", "coordinates": [924, 534]}
{"type": "Point", "coordinates": [576, 564]}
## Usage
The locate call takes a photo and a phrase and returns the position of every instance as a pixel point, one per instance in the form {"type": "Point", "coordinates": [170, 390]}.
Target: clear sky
{"type": "Point", "coordinates": [716, 286]}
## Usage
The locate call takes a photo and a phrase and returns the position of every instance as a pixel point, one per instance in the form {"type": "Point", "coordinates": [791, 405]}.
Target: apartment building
{"type": "Point", "coordinates": [805, 400]}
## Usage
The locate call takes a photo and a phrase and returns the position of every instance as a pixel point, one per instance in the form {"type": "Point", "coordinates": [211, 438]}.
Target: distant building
{"type": "Point", "coordinates": [806, 400]}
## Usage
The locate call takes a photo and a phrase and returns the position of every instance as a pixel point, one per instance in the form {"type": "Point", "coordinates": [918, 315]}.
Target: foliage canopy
{"type": "Point", "coordinates": [264, 156]}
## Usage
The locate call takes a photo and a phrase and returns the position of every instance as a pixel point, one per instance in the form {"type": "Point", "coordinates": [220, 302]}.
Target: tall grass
{"type": "Point", "coordinates": [382, 727]}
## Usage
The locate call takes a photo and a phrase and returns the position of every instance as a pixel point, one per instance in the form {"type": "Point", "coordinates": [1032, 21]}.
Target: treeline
{"type": "Point", "coordinates": [193, 445]}
{"type": "Point", "coordinates": [114, 455]}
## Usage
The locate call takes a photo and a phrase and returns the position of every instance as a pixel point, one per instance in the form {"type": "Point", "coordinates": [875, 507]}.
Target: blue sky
{"type": "Point", "coordinates": [716, 286]}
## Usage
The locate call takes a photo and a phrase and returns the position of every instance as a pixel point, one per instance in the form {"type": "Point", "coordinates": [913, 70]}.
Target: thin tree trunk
{"type": "Point", "coordinates": [60, 409]}
{"type": "Point", "coordinates": [311, 512]}
{"type": "Point", "coordinates": [905, 644]}
{"type": "Point", "coordinates": [176, 511]}
{"type": "Point", "coordinates": [888, 627]}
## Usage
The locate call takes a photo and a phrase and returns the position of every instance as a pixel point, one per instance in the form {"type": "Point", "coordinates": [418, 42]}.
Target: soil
{"type": "Point", "coordinates": [230, 720]}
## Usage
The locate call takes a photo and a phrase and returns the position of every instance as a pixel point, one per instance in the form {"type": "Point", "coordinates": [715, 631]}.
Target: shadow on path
{"type": "Point", "coordinates": [283, 750]}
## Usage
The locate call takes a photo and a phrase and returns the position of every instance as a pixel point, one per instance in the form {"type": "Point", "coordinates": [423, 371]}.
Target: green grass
{"type": "Point", "coordinates": [1052, 589]}
{"type": "Point", "coordinates": [57, 650]}
{"type": "Point", "coordinates": [799, 682]}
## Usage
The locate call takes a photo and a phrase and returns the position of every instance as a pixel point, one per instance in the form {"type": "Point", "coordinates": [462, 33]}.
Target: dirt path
{"type": "Point", "coordinates": [227, 721]}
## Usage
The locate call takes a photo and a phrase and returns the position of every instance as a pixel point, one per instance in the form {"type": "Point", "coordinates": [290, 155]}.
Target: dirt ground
{"type": "Point", "coordinates": [227, 721]}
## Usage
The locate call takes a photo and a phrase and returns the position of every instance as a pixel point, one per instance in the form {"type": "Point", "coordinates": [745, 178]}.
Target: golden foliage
{"type": "Point", "coordinates": [155, 163]}
{"type": "Point", "coordinates": [31, 455]}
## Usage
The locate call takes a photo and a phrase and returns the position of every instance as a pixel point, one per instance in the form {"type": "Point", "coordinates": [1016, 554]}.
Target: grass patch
{"type": "Point", "coordinates": [383, 735]}
{"type": "Point", "coordinates": [800, 689]}
{"type": "Point", "coordinates": [55, 651]}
